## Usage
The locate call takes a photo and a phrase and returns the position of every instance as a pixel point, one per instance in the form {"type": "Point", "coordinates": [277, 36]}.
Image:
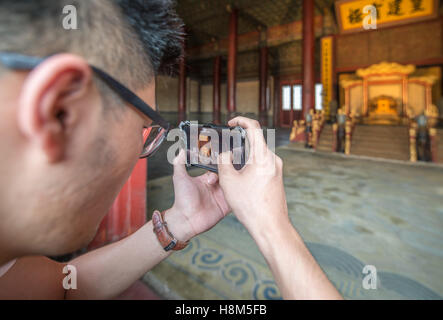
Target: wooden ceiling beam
{"type": "Point", "coordinates": [317, 6]}
{"type": "Point", "coordinates": [243, 14]}
{"type": "Point", "coordinates": [325, 4]}
{"type": "Point", "coordinates": [208, 36]}
{"type": "Point", "coordinates": [276, 35]}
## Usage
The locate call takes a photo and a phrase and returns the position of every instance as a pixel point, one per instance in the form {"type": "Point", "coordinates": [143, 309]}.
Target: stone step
{"type": "Point", "coordinates": [369, 144]}
{"type": "Point", "coordinates": [325, 140]}
{"type": "Point", "coordinates": [393, 132]}
{"type": "Point", "coordinates": [385, 146]}
{"type": "Point", "coordinates": [374, 148]}
{"type": "Point", "coordinates": [379, 128]}
{"type": "Point", "coordinates": [372, 127]}
{"type": "Point", "coordinates": [395, 156]}
{"type": "Point", "coordinates": [379, 134]}
{"type": "Point", "coordinates": [325, 145]}
{"type": "Point", "coordinates": [380, 143]}
{"type": "Point", "coordinates": [324, 149]}
{"type": "Point", "coordinates": [374, 153]}
{"type": "Point", "coordinates": [380, 138]}
{"type": "Point", "coordinates": [371, 151]}
{"type": "Point", "coordinates": [379, 150]}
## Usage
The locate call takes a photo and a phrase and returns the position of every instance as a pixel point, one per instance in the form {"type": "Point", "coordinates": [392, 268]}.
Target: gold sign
{"type": "Point", "coordinates": [352, 16]}
{"type": "Point", "coordinates": [326, 72]}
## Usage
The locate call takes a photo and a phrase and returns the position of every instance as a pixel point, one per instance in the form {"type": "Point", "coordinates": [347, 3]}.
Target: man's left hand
{"type": "Point", "coordinates": [199, 202]}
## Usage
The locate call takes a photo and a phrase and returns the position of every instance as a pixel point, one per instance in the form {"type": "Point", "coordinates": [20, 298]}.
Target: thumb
{"type": "Point", "coordinates": [179, 164]}
{"type": "Point", "coordinates": [211, 178]}
{"type": "Point", "coordinates": [224, 162]}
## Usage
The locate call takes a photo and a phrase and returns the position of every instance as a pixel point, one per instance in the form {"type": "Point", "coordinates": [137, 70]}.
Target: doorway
{"type": "Point", "coordinates": [290, 103]}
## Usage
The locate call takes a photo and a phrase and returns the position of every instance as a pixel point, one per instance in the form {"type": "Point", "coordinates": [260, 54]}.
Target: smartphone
{"type": "Point", "coordinates": [204, 142]}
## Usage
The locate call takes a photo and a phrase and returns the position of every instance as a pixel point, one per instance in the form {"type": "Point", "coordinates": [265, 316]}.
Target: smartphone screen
{"type": "Point", "coordinates": [204, 142]}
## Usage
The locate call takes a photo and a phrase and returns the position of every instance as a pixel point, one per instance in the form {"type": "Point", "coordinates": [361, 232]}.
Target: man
{"type": "Point", "coordinates": [71, 135]}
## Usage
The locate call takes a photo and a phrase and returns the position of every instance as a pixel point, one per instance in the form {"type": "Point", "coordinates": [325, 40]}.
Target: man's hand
{"type": "Point", "coordinates": [257, 196]}
{"type": "Point", "coordinates": [199, 202]}
{"type": "Point", "coordinates": [255, 193]}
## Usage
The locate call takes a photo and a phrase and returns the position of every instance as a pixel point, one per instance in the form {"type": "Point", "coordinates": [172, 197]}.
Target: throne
{"type": "Point", "coordinates": [383, 110]}
{"type": "Point", "coordinates": [387, 93]}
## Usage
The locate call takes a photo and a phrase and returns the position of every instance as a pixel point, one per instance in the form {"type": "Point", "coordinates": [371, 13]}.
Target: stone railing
{"type": "Point", "coordinates": [334, 137]}
{"type": "Point", "coordinates": [308, 132]}
{"type": "Point", "coordinates": [318, 121]}
{"type": "Point", "coordinates": [298, 131]}
{"type": "Point", "coordinates": [343, 127]}
{"type": "Point", "coordinates": [428, 121]}
{"type": "Point", "coordinates": [433, 144]}
{"type": "Point", "coordinates": [432, 115]}
{"type": "Point", "coordinates": [413, 141]}
{"type": "Point", "coordinates": [348, 129]}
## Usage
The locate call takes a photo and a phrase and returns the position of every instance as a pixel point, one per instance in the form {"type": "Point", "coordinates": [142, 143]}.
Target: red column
{"type": "Point", "coordinates": [232, 60]}
{"type": "Point", "coordinates": [182, 91]}
{"type": "Point", "coordinates": [262, 102]}
{"type": "Point", "coordinates": [308, 94]}
{"type": "Point", "coordinates": [277, 98]}
{"type": "Point", "coordinates": [128, 213]}
{"type": "Point", "coordinates": [216, 90]}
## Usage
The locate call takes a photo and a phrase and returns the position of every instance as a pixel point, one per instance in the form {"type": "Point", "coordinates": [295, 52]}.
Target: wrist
{"type": "Point", "coordinates": [274, 234]}
{"type": "Point", "coordinates": [178, 225]}
{"type": "Point", "coordinates": [262, 222]}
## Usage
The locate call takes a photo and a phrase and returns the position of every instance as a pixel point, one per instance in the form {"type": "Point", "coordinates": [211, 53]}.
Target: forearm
{"type": "Point", "coordinates": [295, 270]}
{"type": "Point", "coordinates": [106, 272]}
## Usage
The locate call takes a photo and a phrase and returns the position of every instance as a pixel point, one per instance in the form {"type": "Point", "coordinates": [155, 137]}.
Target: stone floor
{"type": "Point", "coordinates": [350, 211]}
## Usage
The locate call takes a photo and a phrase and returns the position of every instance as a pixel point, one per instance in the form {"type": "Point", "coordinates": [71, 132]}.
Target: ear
{"type": "Point", "coordinates": [48, 100]}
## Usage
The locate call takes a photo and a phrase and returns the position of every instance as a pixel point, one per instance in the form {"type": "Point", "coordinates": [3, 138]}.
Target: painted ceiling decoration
{"type": "Point", "coordinates": [207, 21]}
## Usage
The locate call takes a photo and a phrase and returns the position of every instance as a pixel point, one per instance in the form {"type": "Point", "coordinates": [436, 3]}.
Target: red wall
{"type": "Point", "coordinates": [416, 43]}
{"type": "Point", "coordinates": [128, 213]}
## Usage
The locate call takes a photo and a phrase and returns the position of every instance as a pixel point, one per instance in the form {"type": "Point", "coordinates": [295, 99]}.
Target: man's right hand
{"type": "Point", "coordinates": [255, 193]}
{"type": "Point", "coordinates": [257, 196]}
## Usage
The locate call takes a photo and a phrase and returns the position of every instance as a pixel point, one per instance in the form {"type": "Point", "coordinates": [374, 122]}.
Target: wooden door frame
{"type": "Point", "coordinates": [290, 83]}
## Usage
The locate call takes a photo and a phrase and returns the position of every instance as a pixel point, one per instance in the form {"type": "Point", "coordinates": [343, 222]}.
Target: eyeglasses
{"type": "Point", "coordinates": [153, 135]}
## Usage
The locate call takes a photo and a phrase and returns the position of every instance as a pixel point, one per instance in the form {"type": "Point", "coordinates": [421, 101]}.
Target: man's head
{"type": "Point", "coordinates": [68, 142]}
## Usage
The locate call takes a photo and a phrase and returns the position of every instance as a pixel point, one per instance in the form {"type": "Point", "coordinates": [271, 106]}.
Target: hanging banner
{"type": "Point", "coordinates": [353, 14]}
{"type": "Point", "coordinates": [326, 72]}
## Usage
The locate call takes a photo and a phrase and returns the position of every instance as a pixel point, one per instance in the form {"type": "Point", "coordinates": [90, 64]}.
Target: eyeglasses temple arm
{"type": "Point", "coordinates": [22, 62]}
{"type": "Point", "coordinates": [19, 62]}
{"type": "Point", "coordinates": [130, 97]}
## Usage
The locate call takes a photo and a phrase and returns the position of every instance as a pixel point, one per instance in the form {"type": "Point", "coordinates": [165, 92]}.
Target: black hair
{"type": "Point", "coordinates": [132, 40]}
{"type": "Point", "coordinates": [160, 30]}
